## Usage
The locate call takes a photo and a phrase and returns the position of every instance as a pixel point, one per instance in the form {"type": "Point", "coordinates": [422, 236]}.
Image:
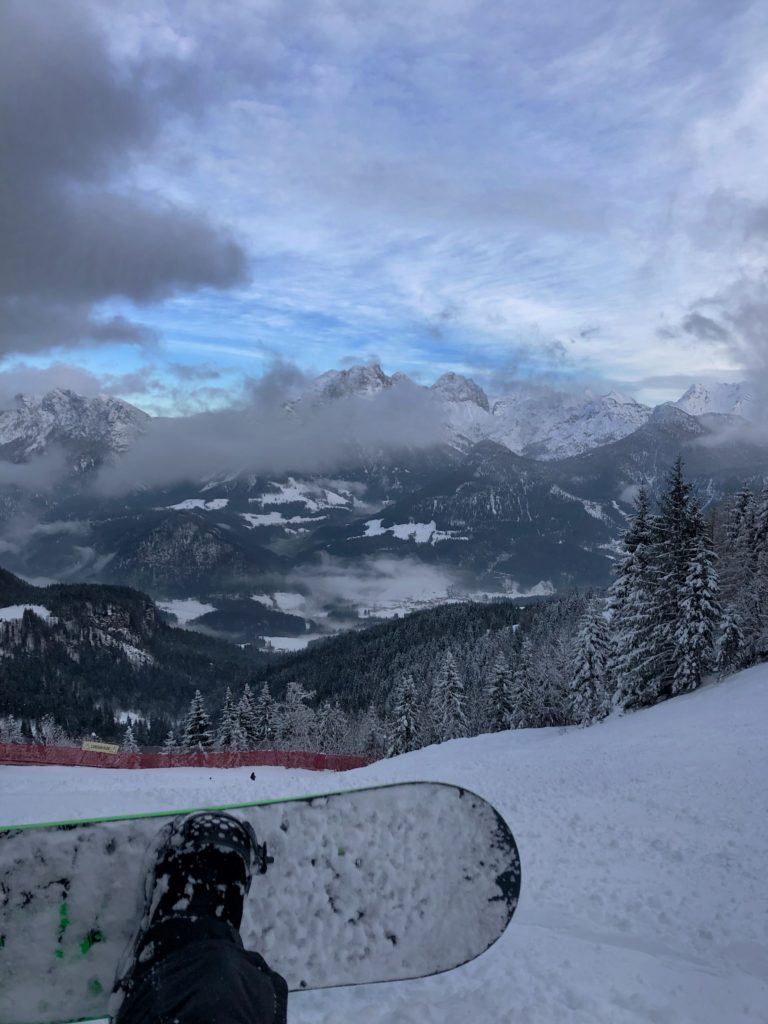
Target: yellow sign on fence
{"type": "Point", "coordinates": [101, 748]}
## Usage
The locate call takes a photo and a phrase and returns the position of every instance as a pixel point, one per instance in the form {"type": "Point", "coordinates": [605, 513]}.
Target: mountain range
{"type": "Point", "coordinates": [524, 493]}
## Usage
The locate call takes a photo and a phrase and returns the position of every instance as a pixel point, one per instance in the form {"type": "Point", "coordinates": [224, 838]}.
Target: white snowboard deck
{"type": "Point", "coordinates": [371, 885]}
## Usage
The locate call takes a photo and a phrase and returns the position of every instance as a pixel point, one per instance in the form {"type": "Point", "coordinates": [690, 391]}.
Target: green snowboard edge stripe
{"type": "Point", "coordinates": [235, 807]}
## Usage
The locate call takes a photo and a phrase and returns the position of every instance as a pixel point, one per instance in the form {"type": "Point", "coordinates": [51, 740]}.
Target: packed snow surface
{"type": "Point", "coordinates": [643, 841]}
{"type": "Point", "coordinates": [198, 503]}
{"type": "Point", "coordinates": [291, 643]}
{"type": "Point", "coordinates": [420, 533]}
{"type": "Point", "coordinates": [186, 609]}
{"type": "Point", "coordinates": [14, 612]}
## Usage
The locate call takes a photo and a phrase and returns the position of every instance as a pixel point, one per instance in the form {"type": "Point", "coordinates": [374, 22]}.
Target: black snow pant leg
{"type": "Point", "coordinates": [208, 981]}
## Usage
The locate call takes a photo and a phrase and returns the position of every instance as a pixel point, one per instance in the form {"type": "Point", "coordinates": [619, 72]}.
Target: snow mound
{"type": "Point", "coordinates": [15, 612]}
{"type": "Point", "coordinates": [643, 840]}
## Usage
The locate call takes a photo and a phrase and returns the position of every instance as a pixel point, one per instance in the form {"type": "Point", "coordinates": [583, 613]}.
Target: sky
{"type": "Point", "coordinates": [192, 192]}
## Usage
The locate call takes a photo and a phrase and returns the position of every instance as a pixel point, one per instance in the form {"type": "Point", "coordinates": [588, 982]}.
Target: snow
{"type": "Point", "coordinates": [283, 600]}
{"type": "Point", "coordinates": [186, 609]}
{"type": "Point", "coordinates": [291, 643]}
{"type": "Point", "coordinates": [311, 495]}
{"type": "Point", "coordinates": [14, 612]}
{"type": "Point", "coordinates": [289, 493]}
{"type": "Point", "coordinates": [253, 519]}
{"type": "Point", "coordinates": [643, 841]}
{"type": "Point", "coordinates": [208, 506]}
{"type": "Point", "coordinates": [130, 717]}
{"type": "Point", "coordinates": [592, 508]}
{"type": "Point", "coordinates": [420, 533]}
{"type": "Point", "coordinates": [725, 399]}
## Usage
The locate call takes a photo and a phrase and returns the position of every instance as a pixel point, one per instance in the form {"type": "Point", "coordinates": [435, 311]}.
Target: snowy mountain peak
{"type": "Point", "coordinates": [725, 399]}
{"type": "Point", "coordinates": [357, 380]}
{"type": "Point", "coordinates": [614, 397]}
{"type": "Point", "coordinates": [64, 417]}
{"type": "Point", "coordinates": [453, 387]}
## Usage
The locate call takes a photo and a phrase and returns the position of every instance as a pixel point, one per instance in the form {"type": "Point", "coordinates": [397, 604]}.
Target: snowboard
{"type": "Point", "coordinates": [368, 885]}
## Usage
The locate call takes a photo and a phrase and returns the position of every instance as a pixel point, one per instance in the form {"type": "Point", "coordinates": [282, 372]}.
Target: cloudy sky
{"type": "Point", "coordinates": [192, 190]}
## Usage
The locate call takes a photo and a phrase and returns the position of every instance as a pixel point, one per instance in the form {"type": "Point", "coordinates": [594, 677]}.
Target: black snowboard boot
{"type": "Point", "coordinates": [203, 864]}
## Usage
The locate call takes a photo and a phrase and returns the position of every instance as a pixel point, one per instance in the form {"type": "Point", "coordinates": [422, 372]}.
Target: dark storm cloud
{"type": "Point", "coordinates": [704, 327]}
{"type": "Point", "coordinates": [71, 123]}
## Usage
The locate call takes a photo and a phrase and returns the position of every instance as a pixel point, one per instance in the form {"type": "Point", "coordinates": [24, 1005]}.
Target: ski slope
{"type": "Point", "coordinates": [644, 845]}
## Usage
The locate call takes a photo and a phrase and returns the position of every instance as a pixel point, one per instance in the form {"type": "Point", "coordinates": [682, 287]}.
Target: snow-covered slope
{"type": "Point", "coordinates": [644, 842]}
{"type": "Point", "coordinates": [530, 419]}
{"type": "Point", "coordinates": [63, 417]}
{"type": "Point", "coordinates": [724, 399]}
{"type": "Point", "coordinates": [544, 423]}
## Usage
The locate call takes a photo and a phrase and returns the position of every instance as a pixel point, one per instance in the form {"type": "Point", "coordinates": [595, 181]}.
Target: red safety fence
{"type": "Point", "coordinates": [33, 753]}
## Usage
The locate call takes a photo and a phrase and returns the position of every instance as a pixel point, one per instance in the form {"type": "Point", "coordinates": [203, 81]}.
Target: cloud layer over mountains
{"type": "Point", "coordinates": [271, 433]}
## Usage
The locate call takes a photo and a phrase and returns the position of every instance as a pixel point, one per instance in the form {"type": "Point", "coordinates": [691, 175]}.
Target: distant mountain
{"type": "Point", "coordinates": [724, 399]}
{"type": "Point", "coordinates": [87, 429]}
{"type": "Point", "coordinates": [90, 652]}
{"type": "Point", "coordinates": [527, 494]}
{"type": "Point", "coordinates": [530, 419]}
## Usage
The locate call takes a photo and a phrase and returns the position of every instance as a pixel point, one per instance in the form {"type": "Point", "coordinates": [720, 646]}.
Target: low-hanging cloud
{"type": "Point", "coordinates": [273, 433]}
{"type": "Point", "coordinates": [77, 234]}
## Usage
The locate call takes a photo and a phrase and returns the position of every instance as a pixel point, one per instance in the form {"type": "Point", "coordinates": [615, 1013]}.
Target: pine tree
{"type": "Point", "coordinates": [171, 744]}
{"type": "Point", "coordinates": [229, 735]}
{"type": "Point", "coordinates": [10, 730]}
{"type": "Point", "coordinates": [674, 531]}
{"type": "Point", "coordinates": [51, 734]}
{"type": "Point", "coordinates": [589, 699]}
{"type": "Point", "coordinates": [403, 724]}
{"type": "Point", "coordinates": [331, 727]}
{"type": "Point", "coordinates": [633, 661]}
{"type": "Point", "coordinates": [264, 713]}
{"type": "Point", "coordinates": [129, 744]}
{"type": "Point", "coordinates": [744, 583]}
{"type": "Point", "coordinates": [525, 688]}
{"type": "Point", "coordinates": [247, 722]}
{"type": "Point", "coordinates": [447, 702]}
{"type": "Point", "coordinates": [730, 647]}
{"type": "Point", "coordinates": [501, 696]}
{"type": "Point", "coordinates": [296, 719]}
{"type": "Point", "coordinates": [197, 734]}
{"type": "Point", "coordinates": [698, 611]}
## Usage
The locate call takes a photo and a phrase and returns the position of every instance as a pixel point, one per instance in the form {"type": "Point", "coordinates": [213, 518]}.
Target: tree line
{"type": "Point", "coordinates": [690, 597]}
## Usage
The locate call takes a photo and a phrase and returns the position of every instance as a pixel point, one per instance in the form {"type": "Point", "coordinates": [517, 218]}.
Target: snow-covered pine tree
{"type": "Point", "coordinates": [447, 702]}
{"type": "Point", "coordinates": [247, 722]}
{"type": "Point", "coordinates": [633, 663]}
{"type": "Point", "coordinates": [170, 744]}
{"type": "Point", "coordinates": [264, 714]}
{"type": "Point", "coordinates": [197, 735]}
{"type": "Point", "coordinates": [525, 688]}
{"type": "Point", "coordinates": [403, 721]}
{"type": "Point", "coordinates": [51, 734]}
{"type": "Point", "coordinates": [129, 744]}
{"type": "Point", "coordinates": [698, 610]}
{"type": "Point", "coordinates": [228, 735]}
{"type": "Point", "coordinates": [589, 697]}
{"type": "Point", "coordinates": [331, 727]}
{"type": "Point", "coordinates": [10, 730]}
{"type": "Point", "coordinates": [501, 695]}
{"type": "Point", "coordinates": [673, 531]}
{"type": "Point", "coordinates": [372, 732]}
{"type": "Point", "coordinates": [743, 581]}
{"type": "Point", "coordinates": [296, 719]}
{"type": "Point", "coordinates": [730, 647]}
